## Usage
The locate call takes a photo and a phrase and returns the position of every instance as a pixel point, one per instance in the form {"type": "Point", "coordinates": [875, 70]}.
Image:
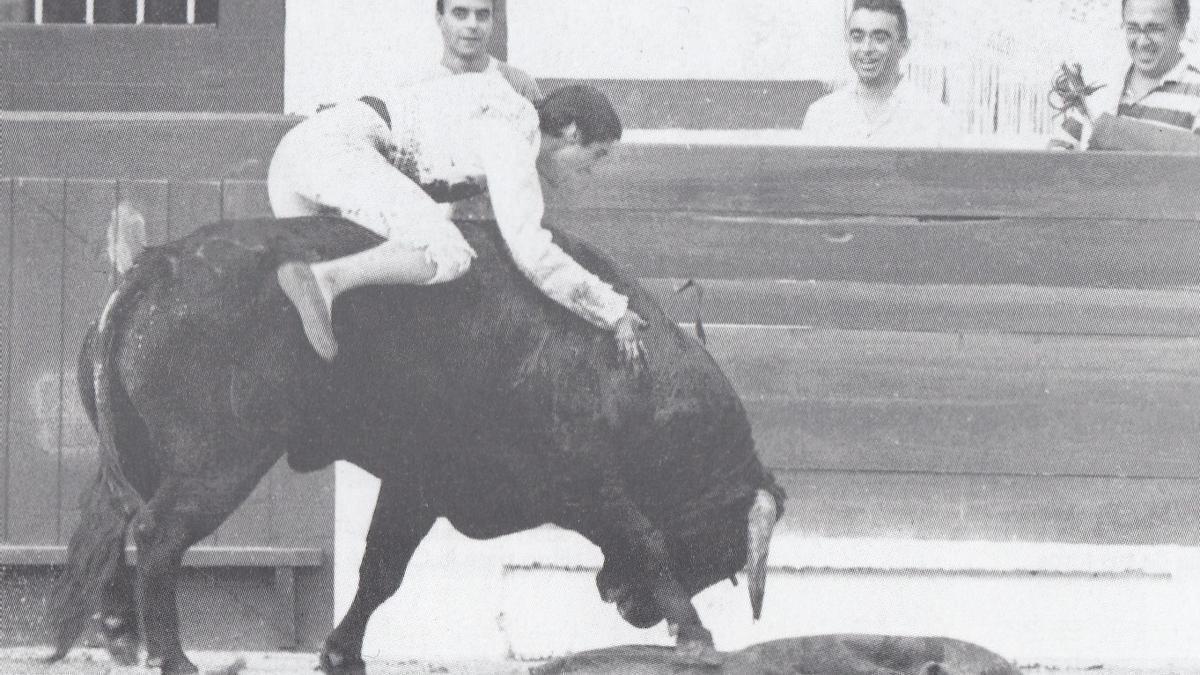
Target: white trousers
{"type": "Point", "coordinates": [336, 161]}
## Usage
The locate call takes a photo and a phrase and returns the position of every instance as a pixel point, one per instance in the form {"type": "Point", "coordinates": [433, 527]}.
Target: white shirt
{"type": "Point", "coordinates": [910, 119]}
{"type": "Point", "coordinates": [474, 128]}
{"type": "Point", "coordinates": [517, 78]}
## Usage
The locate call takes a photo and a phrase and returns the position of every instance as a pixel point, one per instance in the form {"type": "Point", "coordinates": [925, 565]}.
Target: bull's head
{"type": "Point", "coordinates": [730, 540]}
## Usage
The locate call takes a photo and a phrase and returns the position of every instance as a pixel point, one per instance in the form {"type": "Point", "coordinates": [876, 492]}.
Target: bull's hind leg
{"type": "Point", "coordinates": [189, 504]}
{"type": "Point", "coordinates": [398, 525]}
{"type": "Point", "coordinates": [118, 617]}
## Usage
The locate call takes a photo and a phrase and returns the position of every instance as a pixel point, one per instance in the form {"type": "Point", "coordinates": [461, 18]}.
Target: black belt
{"type": "Point", "coordinates": [379, 107]}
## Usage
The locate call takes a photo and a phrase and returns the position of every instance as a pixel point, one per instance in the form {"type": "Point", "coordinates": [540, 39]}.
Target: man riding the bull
{"type": "Point", "coordinates": [386, 165]}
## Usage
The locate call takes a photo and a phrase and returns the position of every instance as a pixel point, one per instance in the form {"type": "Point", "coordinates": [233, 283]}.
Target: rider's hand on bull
{"type": "Point", "coordinates": [626, 334]}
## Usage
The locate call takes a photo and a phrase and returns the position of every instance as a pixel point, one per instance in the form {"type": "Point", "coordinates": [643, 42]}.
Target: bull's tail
{"type": "Point", "coordinates": [97, 547]}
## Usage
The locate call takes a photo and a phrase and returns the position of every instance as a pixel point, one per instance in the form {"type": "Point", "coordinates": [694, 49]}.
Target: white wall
{"type": "Point", "coordinates": [699, 39]}
{"type": "Point", "coordinates": [342, 49]}
{"type": "Point", "coordinates": [533, 595]}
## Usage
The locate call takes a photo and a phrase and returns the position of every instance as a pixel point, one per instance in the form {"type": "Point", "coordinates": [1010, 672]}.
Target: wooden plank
{"type": "Point", "coordinates": [1101, 253]}
{"type": "Point", "coordinates": [253, 522]}
{"type": "Point", "coordinates": [89, 206]}
{"type": "Point", "coordinates": [992, 508]}
{"type": "Point", "coordinates": [1029, 439]}
{"type": "Point", "coordinates": [941, 308]}
{"type": "Point", "coordinates": [706, 104]}
{"type": "Point", "coordinates": [6, 325]}
{"type": "Point", "coordinates": [979, 404]}
{"type": "Point", "coordinates": [191, 205]}
{"type": "Point", "coordinates": [871, 181]}
{"type": "Point", "coordinates": [499, 45]}
{"type": "Point", "coordinates": [178, 146]}
{"type": "Point", "coordinates": [236, 64]}
{"type": "Point", "coordinates": [303, 508]}
{"type": "Point", "coordinates": [197, 556]}
{"type": "Point", "coordinates": [33, 490]}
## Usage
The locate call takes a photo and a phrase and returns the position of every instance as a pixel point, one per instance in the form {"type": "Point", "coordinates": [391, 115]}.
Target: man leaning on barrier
{"type": "Point", "coordinates": [1153, 103]}
{"type": "Point", "coordinates": [883, 108]}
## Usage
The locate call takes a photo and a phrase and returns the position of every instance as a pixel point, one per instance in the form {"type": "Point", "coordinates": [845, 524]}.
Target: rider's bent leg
{"type": "Point", "coordinates": [423, 246]}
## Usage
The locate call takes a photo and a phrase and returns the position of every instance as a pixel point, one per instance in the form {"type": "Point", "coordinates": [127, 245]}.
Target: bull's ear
{"type": "Point", "coordinates": [760, 526]}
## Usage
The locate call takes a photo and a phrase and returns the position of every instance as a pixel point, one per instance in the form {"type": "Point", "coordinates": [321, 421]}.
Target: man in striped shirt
{"type": "Point", "coordinates": [1160, 86]}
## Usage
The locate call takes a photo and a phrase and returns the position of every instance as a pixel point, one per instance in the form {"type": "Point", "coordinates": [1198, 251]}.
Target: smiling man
{"type": "Point", "coordinates": [1161, 83]}
{"type": "Point", "coordinates": [466, 27]}
{"type": "Point", "coordinates": [882, 108]}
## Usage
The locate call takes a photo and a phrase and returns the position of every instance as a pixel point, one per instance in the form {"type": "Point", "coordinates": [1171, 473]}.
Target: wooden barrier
{"type": "Point", "coordinates": [946, 344]}
{"type": "Point", "coordinates": [53, 242]}
{"type": "Point", "coordinates": [938, 344]}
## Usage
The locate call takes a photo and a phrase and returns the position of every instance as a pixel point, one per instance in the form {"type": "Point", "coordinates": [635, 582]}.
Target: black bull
{"type": "Point", "coordinates": [477, 400]}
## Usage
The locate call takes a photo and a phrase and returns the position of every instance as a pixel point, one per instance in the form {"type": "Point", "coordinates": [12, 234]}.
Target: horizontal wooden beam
{"type": "Point", "coordinates": [995, 508]}
{"type": "Point", "coordinates": [878, 182]}
{"type": "Point", "coordinates": [179, 147]}
{"type": "Point", "coordinates": [933, 308]}
{"type": "Point", "coordinates": [199, 556]}
{"type": "Point", "coordinates": [1032, 251]}
{"type": "Point", "coordinates": [967, 404]}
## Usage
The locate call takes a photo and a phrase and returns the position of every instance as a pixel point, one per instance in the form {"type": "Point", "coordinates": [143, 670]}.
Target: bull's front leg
{"type": "Point", "coordinates": [634, 547]}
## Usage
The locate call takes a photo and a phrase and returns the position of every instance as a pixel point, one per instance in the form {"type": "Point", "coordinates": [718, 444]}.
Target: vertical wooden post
{"type": "Point", "coordinates": [499, 48]}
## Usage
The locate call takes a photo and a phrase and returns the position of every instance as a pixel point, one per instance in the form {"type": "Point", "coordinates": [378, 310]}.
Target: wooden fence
{"type": "Point", "coordinates": [931, 344]}
{"type": "Point", "coordinates": [52, 242]}
{"type": "Point", "coordinates": [940, 344]}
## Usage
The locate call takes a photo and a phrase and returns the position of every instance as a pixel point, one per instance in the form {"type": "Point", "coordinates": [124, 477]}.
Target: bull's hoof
{"type": "Point", "coordinates": [123, 649]}
{"type": "Point", "coordinates": [336, 663]}
{"type": "Point", "coordinates": [697, 655]}
{"type": "Point", "coordinates": [120, 639]}
{"type": "Point", "coordinates": [175, 666]}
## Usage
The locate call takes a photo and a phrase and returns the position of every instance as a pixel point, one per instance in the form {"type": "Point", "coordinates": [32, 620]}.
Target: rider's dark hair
{"type": "Point", "coordinates": [586, 107]}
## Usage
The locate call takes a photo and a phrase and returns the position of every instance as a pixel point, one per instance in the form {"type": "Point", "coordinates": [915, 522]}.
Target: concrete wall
{"type": "Point", "coordinates": [533, 595]}
{"type": "Point", "coordinates": [338, 50]}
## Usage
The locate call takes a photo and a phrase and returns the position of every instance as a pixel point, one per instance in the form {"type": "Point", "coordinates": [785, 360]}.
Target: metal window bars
{"type": "Point", "coordinates": [44, 12]}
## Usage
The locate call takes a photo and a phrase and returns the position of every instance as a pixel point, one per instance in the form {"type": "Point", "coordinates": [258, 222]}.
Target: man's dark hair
{"type": "Point", "coordinates": [893, 7]}
{"type": "Point", "coordinates": [586, 107]}
{"type": "Point", "coordinates": [1183, 11]}
{"type": "Point", "coordinates": [441, 6]}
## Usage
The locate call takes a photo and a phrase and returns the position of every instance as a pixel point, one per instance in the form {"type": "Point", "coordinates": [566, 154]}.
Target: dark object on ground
{"type": "Point", "coordinates": [814, 655]}
{"type": "Point", "coordinates": [478, 400]}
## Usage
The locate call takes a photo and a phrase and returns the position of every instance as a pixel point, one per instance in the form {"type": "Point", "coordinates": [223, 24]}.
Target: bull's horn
{"type": "Point", "coordinates": [761, 523]}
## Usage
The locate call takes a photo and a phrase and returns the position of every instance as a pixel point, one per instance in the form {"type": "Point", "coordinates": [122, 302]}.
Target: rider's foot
{"type": "Point", "coordinates": [301, 287]}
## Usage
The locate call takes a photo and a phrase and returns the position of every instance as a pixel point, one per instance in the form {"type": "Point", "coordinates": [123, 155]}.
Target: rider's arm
{"type": "Point", "coordinates": [509, 160]}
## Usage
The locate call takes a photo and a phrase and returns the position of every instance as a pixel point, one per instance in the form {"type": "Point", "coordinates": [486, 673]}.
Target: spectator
{"type": "Point", "coordinates": [882, 108]}
{"type": "Point", "coordinates": [1160, 85]}
{"type": "Point", "coordinates": [466, 27]}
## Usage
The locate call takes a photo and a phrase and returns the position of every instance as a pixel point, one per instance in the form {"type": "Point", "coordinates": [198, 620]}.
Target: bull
{"type": "Point", "coordinates": [477, 400]}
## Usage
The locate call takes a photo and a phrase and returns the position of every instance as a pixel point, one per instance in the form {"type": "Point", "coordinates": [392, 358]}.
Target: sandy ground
{"type": "Point", "coordinates": [94, 662]}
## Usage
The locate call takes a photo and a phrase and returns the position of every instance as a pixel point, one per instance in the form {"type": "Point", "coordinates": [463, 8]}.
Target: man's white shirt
{"type": "Point", "coordinates": [911, 118]}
